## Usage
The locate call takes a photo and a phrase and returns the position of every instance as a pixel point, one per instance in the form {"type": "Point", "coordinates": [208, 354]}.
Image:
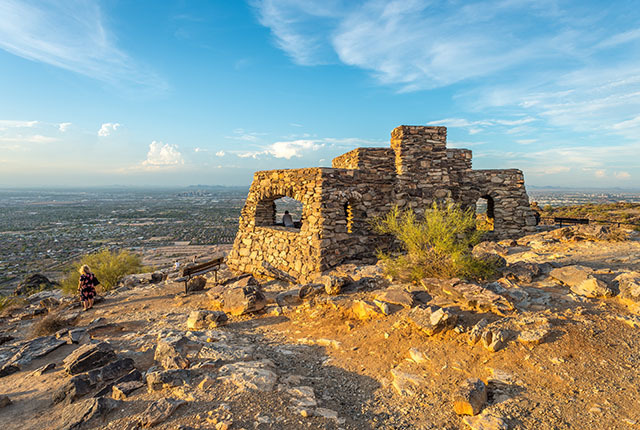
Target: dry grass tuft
{"type": "Point", "coordinates": [48, 325]}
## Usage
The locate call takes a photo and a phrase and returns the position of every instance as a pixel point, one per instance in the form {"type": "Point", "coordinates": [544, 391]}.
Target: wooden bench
{"type": "Point", "coordinates": [200, 269]}
{"type": "Point", "coordinates": [562, 220]}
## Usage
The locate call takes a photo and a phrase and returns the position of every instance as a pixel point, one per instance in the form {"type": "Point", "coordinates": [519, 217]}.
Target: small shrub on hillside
{"type": "Point", "coordinates": [48, 325]}
{"type": "Point", "coordinates": [7, 304]}
{"type": "Point", "coordinates": [108, 266]}
{"type": "Point", "coordinates": [438, 245]}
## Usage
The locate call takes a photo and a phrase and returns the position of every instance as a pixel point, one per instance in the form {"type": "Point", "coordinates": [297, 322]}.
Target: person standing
{"type": "Point", "coordinates": [87, 287]}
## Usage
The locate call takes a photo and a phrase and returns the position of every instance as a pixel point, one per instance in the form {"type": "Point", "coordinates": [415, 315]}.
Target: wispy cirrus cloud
{"type": "Point", "coordinates": [72, 35]}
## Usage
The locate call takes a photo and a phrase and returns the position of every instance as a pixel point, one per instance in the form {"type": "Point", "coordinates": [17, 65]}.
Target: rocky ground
{"type": "Point", "coordinates": [553, 344]}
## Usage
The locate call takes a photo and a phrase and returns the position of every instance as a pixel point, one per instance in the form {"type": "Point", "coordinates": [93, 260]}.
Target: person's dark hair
{"type": "Point", "coordinates": [286, 212]}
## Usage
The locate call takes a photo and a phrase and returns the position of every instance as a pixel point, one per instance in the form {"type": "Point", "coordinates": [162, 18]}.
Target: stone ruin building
{"type": "Point", "coordinates": [415, 171]}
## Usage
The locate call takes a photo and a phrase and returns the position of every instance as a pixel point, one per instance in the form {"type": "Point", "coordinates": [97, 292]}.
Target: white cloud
{"type": "Point", "coordinates": [526, 141]}
{"type": "Point", "coordinates": [199, 150]}
{"type": "Point", "coordinates": [64, 126]}
{"type": "Point", "coordinates": [163, 155]}
{"type": "Point", "coordinates": [285, 149]}
{"type": "Point", "coordinates": [622, 175]}
{"type": "Point", "coordinates": [220, 154]}
{"type": "Point", "coordinates": [36, 138]}
{"type": "Point", "coordinates": [7, 124]}
{"type": "Point", "coordinates": [600, 173]}
{"type": "Point", "coordinates": [108, 128]}
{"type": "Point", "coordinates": [72, 35]}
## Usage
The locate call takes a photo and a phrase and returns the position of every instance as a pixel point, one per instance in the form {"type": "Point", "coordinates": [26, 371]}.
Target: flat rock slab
{"type": "Point", "coordinates": [122, 391]}
{"type": "Point", "coordinates": [35, 348]}
{"type": "Point", "coordinates": [88, 357]}
{"type": "Point", "coordinates": [89, 413]}
{"type": "Point", "coordinates": [203, 319]}
{"type": "Point", "coordinates": [396, 296]}
{"type": "Point", "coordinates": [250, 375]}
{"type": "Point", "coordinates": [581, 281]}
{"type": "Point", "coordinates": [629, 285]}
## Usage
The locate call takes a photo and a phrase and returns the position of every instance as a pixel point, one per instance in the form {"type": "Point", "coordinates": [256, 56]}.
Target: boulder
{"type": "Point", "coordinates": [521, 271]}
{"type": "Point", "coordinates": [173, 350]}
{"type": "Point", "coordinates": [167, 379]}
{"type": "Point", "coordinates": [490, 252]}
{"type": "Point", "coordinates": [432, 320]}
{"type": "Point", "coordinates": [396, 296]}
{"type": "Point", "coordinates": [289, 298]}
{"type": "Point", "coordinates": [122, 391]}
{"type": "Point", "coordinates": [199, 320]}
{"type": "Point", "coordinates": [35, 282]}
{"type": "Point", "coordinates": [196, 283]}
{"type": "Point", "coordinates": [333, 283]}
{"type": "Point", "coordinates": [629, 285]}
{"type": "Point", "coordinates": [5, 401]}
{"type": "Point", "coordinates": [89, 413]}
{"type": "Point", "coordinates": [581, 281]}
{"type": "Point", "coordinates": [243, 300]}
{"type": "Point", "coordinates": [88, 357]}
{"type": "Point", "coordinates": [494, 339]}
{"type": "Point", "coordinates": [470, 397]}
{"type": "Point", "coordinates": [159, 411]}
{"type": "Point", "coordinates": [83, 383]}
{"type": "Point", "coordinates": [364, 310]}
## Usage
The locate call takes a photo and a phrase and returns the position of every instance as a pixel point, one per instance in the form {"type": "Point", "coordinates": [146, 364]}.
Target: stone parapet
{"type": "Point", "coordinates": [339, 202]}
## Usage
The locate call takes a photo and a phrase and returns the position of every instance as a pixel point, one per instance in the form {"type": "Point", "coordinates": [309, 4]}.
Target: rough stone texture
{"type": "Point", "coordinates": [173, 349]}
{"type": "Point", "coordinates": [416, 171]}
{"type": "Point", "coordinates": [169, 378]}
{"type": "Point", "coordinates": [432, 319]}
{"type": "Point", "coordinates": [89, 413]}
{"type": "Point", "coordinates": [239, 299]}
{"type": "Point", "coordinates": [122, 391]}
{"type": "Point", "coordinates": [364, 310]}
{"type": "Point", "coordinates": [199, 320]}
{"type": "Point", "coordinates": [470, 397]}
{"type": "Point", "coordinates": [159, 411]}
{"type": "Point", "coordinates": [485, 422]}
{"type": "Point", "coordinates": [581, 281]}
{"type": "Point", "coordinates": [629, 285]}
{"type": "Point", "coordinates": [4, 401]}
{"type": "Point", "coordinates": [88, 357]}
{"type": "Point", "coordinates": [196, 284]}
{"type": "Point", "coordinates": [250, 375]}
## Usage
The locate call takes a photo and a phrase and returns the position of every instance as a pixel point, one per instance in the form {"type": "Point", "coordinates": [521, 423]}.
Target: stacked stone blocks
{"type": "Point", "coordinates": [365, 183]}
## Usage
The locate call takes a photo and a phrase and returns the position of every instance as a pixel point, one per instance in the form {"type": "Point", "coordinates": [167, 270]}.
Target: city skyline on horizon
{"type": "Point", "coordinates": [141, 94]}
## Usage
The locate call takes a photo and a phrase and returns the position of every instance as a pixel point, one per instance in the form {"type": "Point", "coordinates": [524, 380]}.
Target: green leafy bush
{"type": "Point", "coordinates": [108, 266]}
{"type": "Point", "coordinates": [438, 245]}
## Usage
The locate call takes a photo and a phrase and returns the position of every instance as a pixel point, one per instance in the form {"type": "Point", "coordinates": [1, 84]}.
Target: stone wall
{"type": "Point", "coordinates": [364, 183]}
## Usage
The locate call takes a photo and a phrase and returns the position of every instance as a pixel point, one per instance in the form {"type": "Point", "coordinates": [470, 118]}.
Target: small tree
{"type": "Point", "coordinates": [439, 245]}
{"type": "Point", "coordinates": [108, 266]}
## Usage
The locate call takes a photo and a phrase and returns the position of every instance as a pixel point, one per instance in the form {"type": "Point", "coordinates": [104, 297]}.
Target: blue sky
{"type": "Point", "coordinates": [207, 92]}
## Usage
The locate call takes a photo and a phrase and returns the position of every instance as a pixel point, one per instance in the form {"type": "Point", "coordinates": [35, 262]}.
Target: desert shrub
{"type": "Point", "coordinates": [108, 266]}
{"type": "Point", "coordinates": [48, 325]}
{"type": "Point", "coordinates": [8, 303]}
{"type": "Point", "coordinates": [438, 245]}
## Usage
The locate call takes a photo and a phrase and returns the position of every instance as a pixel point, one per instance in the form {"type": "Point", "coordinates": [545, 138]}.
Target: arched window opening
{"type": "Point", "coordinates": [485, 213]}
{"type": "Point", "coordinates": [288, 212]}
